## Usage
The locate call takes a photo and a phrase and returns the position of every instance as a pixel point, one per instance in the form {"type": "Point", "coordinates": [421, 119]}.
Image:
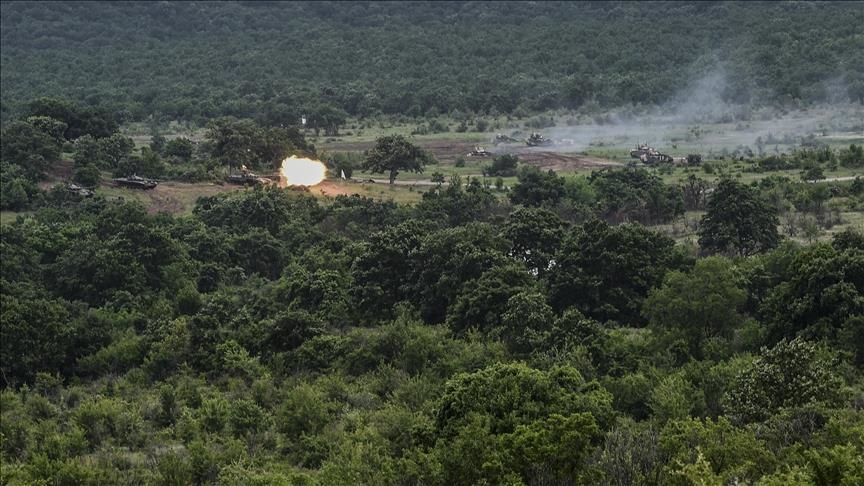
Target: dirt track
{"type": "Point", "coordinates": [543, 158]}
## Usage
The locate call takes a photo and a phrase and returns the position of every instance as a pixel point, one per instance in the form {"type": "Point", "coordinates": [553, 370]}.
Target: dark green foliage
{"type": "Point", "coordinates": [484, 300]}
{"type": "Point", "coordinates": [738, 221]}
{"type": "Point", "coordinates": [535, 235]}
{"type": "Point", "coordinates": [852, 157]}
{"type": "Point", "coordinates": [699, 306]}
{"type": "Point", "coordinates": [28, 147]}
{"type": "Point", "coordinates": [272, 337]}
{"type": "Point", "coordinates": [791, 374]}
{"type": "Point", "coordinates": [457, 204]}
{"type": "Point", "coordinates": [242, 142]}
{"type": "Point", "coordinates": [393, 153]}
{"type": "Point", "coordinates": [820, 299]}
{"type": "Point", "coordinates": [252, 59]}
{"type": "Point", "coordinates": [607, 271]}
{"type": "Point", "coordinates": [79, 120]}
{"type": "Point", "coordinates": [28, 349]}
{"type": "Point", "coordinates": [513, 394]}
{"type": "Point", "coordinates": [503, 165]}
{"type": "Point", "coordinates": [178, 149]}
{"type": "Point", "coordinates": [87, 175]}
{"type": "Point", "coordinates": [536, 188]}
{"type": "Point", "coordinates": [635, 194]}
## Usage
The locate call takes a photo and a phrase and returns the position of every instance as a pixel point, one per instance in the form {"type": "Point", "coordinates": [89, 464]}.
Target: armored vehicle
{"type": "Point", "coordinates": [656, 158]}
{"type": "Point", "coordinates": [640, 150]}
{"type": "Point", "coordinates": [78, 190]}
{"type": "Point", "coordinates": [649, 156]}
{"type": "Point", "coordinates": [537, 140]}
{"type": "Point", "coordinates": [248, 178]}
{"type": "Point", "coordinates": [135, 182]}
{"type": "Point", "coordinates": [501, 138]}
{"type": "Point", "coordinates": [479, 152]}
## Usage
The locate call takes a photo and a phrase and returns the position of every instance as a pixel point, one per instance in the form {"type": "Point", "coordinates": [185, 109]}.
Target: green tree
{"type": "Point", "coordinates": [503, 165]}
{"type": "Point", "coordinates": [515, 394]}
{"type": "Point", "coordinates": [813, 174]}
{"type": "Point", "coordinates": [179, 149]}
{"type": "Point", "coordinates": [37, 336]}
{"type": "Point", "coordinates": [699, 305]}
{"type": "Point", "coordinates": [791, 374]}
{"type": "Point", "coordinates": [607, 271]}
{"type": "Point", "coordinates": [820, 296]}
{"type": "Point", "coordinates": [393, 153]}
{"type": "Point", "coordinates": [54, 128]}
{"type": "Point", "coordinates": [87, 175]}
{"type": "Point", "coordinates": [28, 147]}
{"type": "Point", "coordinates": [738, 221]}
{"type": "Point", "coordinates": [535, 235]}
{"type": "Point", "coordinates": [536, 188]}
{"type": "Point", "coordinates": [14, 195]}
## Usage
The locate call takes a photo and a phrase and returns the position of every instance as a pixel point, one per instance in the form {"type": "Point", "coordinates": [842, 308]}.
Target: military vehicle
{"type": "Point", "coordinates": [649, 156]}
{"type": "Point", "coordinates": [135, 182]}
{"type": "Point", "coordinates": [247, 178]}
{"type": "Point", "coordinates": [694, 159]}
{"type": "Point", "coordinates": [501, 138]}
{"type": "Point", "coordinates": [640, 150]}
{"type": "Point", "coordinates": [78, 190]}
{"type": "Point", "coordinates": [479, 152]}
{"type": "Point", "coordinates": [537, 140]}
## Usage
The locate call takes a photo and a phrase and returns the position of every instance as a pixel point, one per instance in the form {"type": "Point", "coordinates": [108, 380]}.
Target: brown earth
{"type": "Point", "coordinates": [543, 158]}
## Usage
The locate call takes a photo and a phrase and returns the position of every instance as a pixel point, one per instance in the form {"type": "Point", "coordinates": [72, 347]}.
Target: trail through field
{"type": "Point", "coordinates": [447, 152]}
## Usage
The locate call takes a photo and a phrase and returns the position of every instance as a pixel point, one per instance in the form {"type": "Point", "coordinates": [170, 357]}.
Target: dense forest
{"type": "Point", "coordinates": [543, 331]}
{"type": "Point", "coordinates": [276, 61]}
{"type": "Point", "coordinates": [271, 338]}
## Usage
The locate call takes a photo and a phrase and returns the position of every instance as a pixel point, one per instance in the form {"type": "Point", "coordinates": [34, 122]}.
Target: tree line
{"type": "Point", "coordinates": [271, 337]}
{"type": "Point", "coordinates": [326, 61]}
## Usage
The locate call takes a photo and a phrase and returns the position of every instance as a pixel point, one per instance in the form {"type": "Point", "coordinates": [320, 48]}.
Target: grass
{"type": "Point", "coordinates": [9, 217]}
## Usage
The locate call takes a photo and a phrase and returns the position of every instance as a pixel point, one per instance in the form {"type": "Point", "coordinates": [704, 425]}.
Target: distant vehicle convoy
{"type": "Point", "coordinates": [135, 182]}
{"type": "Point", "coordinates": [534, 140]}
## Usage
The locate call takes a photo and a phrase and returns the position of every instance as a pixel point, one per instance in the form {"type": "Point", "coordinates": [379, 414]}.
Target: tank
{"type": "Point", "coordinates": [247, 178]}
{"type": "Point", "coordinates": [538, 140]}
{"type": "Point", "coordinates": [501, 138]}
{"type": "Point", "coordinates": [656, 158]}
{"type": "Point", "coordinates": [479, 152]}
{"type": "Point", "coordinates": [135, 182]}
{"type": "Point", "coordinates": [649, 155]}
{"type": "Point", "coordinates": [640, 150]}
{"type": "Point", "coordinates": [78, 190]}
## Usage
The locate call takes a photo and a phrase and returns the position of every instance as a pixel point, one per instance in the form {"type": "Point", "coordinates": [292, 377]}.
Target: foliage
{"type": "Point", "coordinates": [791, 374]}
{"type": "Point", "coordinates": [737, 221]}
{"type": "Point", "coordinates": [607, 271]}
{"type": "Point", "coordinates": [536, 188]}
{"type": "Point", "coordinates": [201, 66]}
{"type": "Point", "coordinates": [634, 194]}
{"type": "Point", "coordinates": [394, 153]}
{"type": "Point", "coordinates": [698, 306]}
{"type": "Point", "coordinates": [503, 165]}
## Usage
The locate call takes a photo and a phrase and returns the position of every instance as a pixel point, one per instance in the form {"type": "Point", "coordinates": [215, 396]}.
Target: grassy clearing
{"type": "Point", "coordinates": [9, 217]}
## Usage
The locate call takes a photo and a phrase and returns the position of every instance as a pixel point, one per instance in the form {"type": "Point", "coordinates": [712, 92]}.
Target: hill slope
{"type": "Point", "coordinates": [195, 59]}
